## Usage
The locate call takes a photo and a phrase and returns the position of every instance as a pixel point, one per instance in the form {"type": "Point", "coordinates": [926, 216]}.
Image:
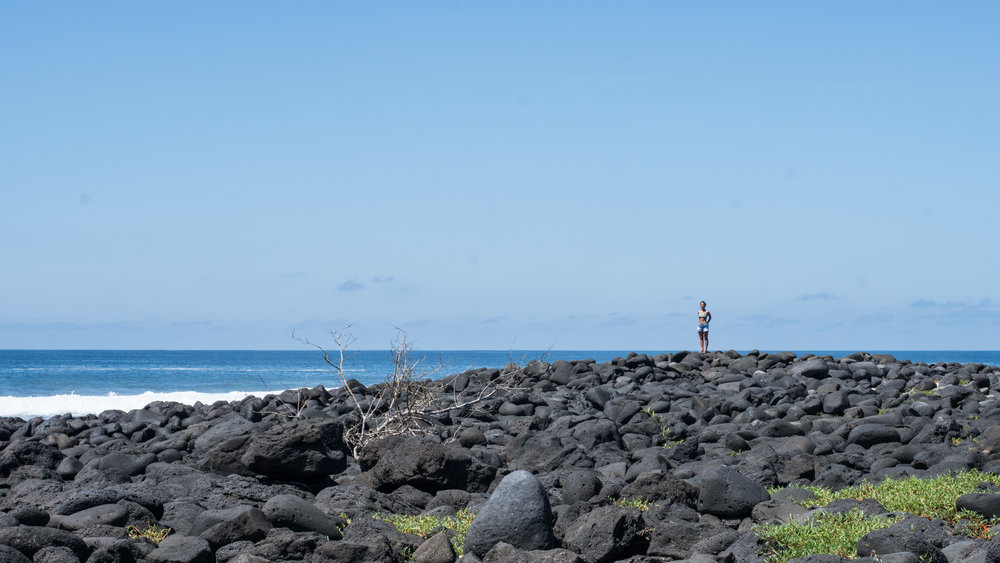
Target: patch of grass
{"type": "Point", "coordinates": [425, 526]}
{"type": "Point", "coordinates": [931, 497]}
{"type": "Point", "coordinates": [826, 533]}
{"type": "Point", "coordinates": [151, 532]}
{"type": "Point", "coordinates": [642, 504]}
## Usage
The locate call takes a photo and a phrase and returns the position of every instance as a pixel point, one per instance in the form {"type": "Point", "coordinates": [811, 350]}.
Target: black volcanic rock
{"type": "Point", "coordinates": [296, 513]}
{"type": "Point", "coordinates": [813, 368]}
{"type": "Point", "coordinates": [659, 487]}
{"type": "Point", "coordinates": [517, 513]}
{"type": "Point", "coordinates": [409, 460]}
{"type": "Point", "coordinates": [176, 549]}
{"type": "Point", "coordinates": [725, 492]}
{"type": "Point", "coordinates": [912, 535]}
{"type": "Point", "coordinates": [265, 480]}
{"type": "Point", "coordinates": [580, 485]}
{"type": "Point", "coordinates": [608, 533]}
{"type": "Point", "coordinates": [301, 450]}
{"type": "Point", "coordinates": [30, 539]}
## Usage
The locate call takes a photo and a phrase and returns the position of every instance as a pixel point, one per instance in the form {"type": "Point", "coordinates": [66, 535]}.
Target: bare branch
{"type": "Point", "coordinates": [408, 399]}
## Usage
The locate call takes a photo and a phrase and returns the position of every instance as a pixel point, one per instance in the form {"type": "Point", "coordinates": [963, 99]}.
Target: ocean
{"type": "Point", "coordinates": [53, 382]}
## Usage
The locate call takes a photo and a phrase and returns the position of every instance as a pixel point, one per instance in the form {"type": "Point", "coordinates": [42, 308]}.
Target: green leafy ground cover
{"type": "Point", "coordinates": [931, 497]}
{"type": "Point", "coordinates": [837, 534]}
{"type": "Point", "coordinates": [639, 503]}
{"type": "Point", "coordinates": [151, 532]}
{"type": "Point", "coordinates": [425, 526]}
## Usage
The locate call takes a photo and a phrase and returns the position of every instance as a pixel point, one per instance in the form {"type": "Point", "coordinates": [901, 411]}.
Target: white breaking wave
{"type": "Point", "coordinates": [77, 405]}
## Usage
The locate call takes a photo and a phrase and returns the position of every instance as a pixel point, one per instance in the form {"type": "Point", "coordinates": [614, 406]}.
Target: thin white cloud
{"type": "Point", "coordinates": [821, 296]}
{"type": "Point", "coordinates": [932, 304]}
{"type": "Point", "coordinates": [72, 326]}
{"type": "Point", "coordinates": [982, 313]}
{"type": "Point", "coordinates": [350, 285]}
{"type": "Point", "coordinates": [189, 325]}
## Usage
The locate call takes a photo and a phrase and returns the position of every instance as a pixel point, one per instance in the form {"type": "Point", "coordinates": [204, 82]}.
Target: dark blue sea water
{"type": "Point", "coordinates": [49, 382]}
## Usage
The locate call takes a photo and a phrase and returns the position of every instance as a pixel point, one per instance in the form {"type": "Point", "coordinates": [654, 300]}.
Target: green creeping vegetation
{"type": "Point", "coordinates": [642, 504]}
{"type": "Point", "coordinates": [828, 533]}
{"type": "Point", "coordinates": [665, 431]}
{"type": "Point", "coordinates": [151, 532]}
{"type": "Point", "coordinates": [345, 521]}
{"type": "Point", "coordinates": [931, 497]}
{"type": "Point", "coordinates": [426, 526]}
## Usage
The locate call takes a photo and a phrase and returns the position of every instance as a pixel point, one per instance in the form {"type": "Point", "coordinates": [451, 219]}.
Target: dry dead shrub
{"type": "Point", "coordinates": [408, 399]}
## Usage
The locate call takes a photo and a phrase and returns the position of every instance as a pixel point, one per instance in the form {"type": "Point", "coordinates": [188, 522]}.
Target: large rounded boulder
{"type": "Point", "coordinates": [424, 465]}
{"type": "Point", "coordinates": [727, 493]}
{"type": "Point", "coordinates": [517, 513]}
{"type": "Point", "coordinates": [298, 451]}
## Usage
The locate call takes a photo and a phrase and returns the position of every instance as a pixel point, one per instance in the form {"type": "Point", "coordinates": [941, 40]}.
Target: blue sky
{"type": "Point", "coordinates": [567, 175]}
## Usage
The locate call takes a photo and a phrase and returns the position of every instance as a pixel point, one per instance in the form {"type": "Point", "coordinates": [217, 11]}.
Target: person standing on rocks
{"type": "Point", "coordinates": [704, 317]}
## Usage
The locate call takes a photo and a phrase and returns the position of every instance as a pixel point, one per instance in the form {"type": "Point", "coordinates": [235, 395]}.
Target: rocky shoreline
{"type": "Point", "coordinates": [701, 437]}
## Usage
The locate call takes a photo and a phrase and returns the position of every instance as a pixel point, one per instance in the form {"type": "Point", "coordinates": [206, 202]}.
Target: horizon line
{"type": "Point", "coordinates": [636, 350]}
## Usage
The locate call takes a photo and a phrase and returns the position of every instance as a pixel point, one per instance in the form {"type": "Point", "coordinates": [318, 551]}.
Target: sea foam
{"type": "Point", "coordinates": [77, 405]}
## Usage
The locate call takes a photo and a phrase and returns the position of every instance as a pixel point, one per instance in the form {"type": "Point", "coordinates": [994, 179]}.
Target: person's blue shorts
{"type": "Point", "coordinates": [702, 327]}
